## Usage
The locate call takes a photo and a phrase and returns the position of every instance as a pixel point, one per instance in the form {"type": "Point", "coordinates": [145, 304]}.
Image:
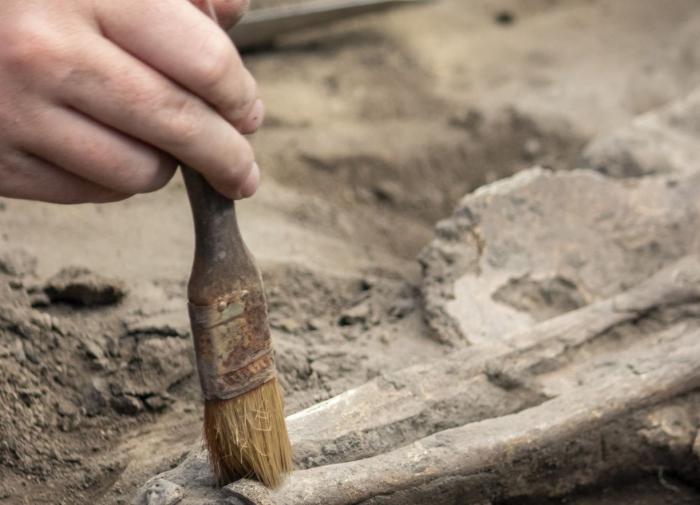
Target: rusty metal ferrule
{"type": "Point", "coordinates": [232, 344]}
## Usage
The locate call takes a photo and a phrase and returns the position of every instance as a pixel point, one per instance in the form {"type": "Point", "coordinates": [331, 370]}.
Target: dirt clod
{"type": "Point", "coordinates": [80, 286]}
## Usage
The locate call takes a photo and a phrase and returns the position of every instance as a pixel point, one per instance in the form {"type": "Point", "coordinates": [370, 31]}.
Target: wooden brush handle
{"type": "Point", "coordinates": [222, 262]}
{"type": "Point", "coordinates": [228, 312]}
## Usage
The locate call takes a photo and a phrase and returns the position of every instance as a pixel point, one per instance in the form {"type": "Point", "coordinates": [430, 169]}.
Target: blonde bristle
{"type": "Point", "coordinates": [247, 436]}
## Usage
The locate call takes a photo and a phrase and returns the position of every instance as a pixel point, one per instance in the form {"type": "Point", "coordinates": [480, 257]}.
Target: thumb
{"type": "Point", "coordinates": [228, 12]}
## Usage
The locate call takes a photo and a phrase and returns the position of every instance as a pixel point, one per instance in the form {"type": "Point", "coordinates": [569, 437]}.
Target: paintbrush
{"type": "Point", "coordinates": [244, 426]}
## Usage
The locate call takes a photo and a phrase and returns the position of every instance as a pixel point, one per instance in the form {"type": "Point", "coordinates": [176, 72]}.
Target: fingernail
{"type": "Point", "coordinates": [250, 185]}
{"type": "Point", "coordinates": [255, 118]}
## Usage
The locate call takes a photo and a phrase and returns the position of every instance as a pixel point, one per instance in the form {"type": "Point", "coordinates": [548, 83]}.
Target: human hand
{"type": "Point", "coordinates": [98, 99]}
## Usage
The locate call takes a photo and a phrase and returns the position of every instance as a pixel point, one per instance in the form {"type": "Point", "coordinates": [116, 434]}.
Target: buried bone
{"type": "Point", "coordinates": [473, 385]}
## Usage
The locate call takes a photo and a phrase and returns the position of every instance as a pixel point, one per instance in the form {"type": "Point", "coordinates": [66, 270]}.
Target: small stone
{"type": "Point", "coordinates": [127, 405]}
{"type": "Point", "coordinates": [27, 395]}
{"type": "Point", "coordinates": [368, 283]}
{"type": "Point", "coordinates": [387, 191]}
{"type": "Point", "coordinates": [39, 300]}
{"type": "Point", "coordinates": [93, 350]}
{"type": "Point", "coordinates": [168, 324]}
{"type": "Point", "coordinates": [66, 409]}
{"type": "Point", "coordinates": [160, 492]}
{"type": "Point", "coordinates": [355, 315]}
{"type": "Point", "coordinates": [315, 323]}
{"type": "Point", "coordinates": [95, 397]}
{"type": "Point", "coordinates": [41, 320]}
{"type": "Point", "coordinates": [80, 286]}
{"type": "Point", "coordinates": [670, 427]}
{"type": "Point", "coordinates": [95, 353]}
{"type": "Point", "coordinates": [402, 308]}
{"type": "Point", "coordinates": [31, 353]}
{"type": "Point", "coordinates": [72, 458]}
{"type": "Point", "coordinates": [288, 325]}
{"type": "Point", "coordinates": [350, 337]}
{"type": "Point", "coordinates": [156, 403]}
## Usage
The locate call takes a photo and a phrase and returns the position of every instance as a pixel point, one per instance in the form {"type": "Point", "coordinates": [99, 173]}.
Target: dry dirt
{"type": "Point", "coordinates": [376, 127]}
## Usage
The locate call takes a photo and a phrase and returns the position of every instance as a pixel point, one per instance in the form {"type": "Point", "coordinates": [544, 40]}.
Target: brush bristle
{"type": "Point", "coordinates": [247, 436]}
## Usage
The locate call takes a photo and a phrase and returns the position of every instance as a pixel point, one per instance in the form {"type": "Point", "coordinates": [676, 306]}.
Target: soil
{"type": "Point", "coordinates": [376, 127]}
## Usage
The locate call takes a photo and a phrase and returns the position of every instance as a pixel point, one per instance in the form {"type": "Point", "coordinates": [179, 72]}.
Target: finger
{"type": "Point", "coordinates": [254, 120]}
{"type": "Point", "coordinates": [123, 93]}
{"type": "Point", "coordinates": [98, 153]}
{"type": "Point", "coordinates": [28, 177]}
{"type": "Point", "coordinates": [181, 42]}
{"type": "Point", "coordinates": [250, 185]}
{"type": "Point", "coordinates": [228, 12]}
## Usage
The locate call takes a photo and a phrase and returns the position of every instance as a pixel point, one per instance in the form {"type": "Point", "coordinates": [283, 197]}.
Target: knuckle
{"type": "Point", "coordinates": [217, 58]}
{"type": "Point", "coordinates": [130, 171]}
{"type": "Point", "coordinates": [179, 121]}
{"type": "Point", "coordinates": [26, 45]}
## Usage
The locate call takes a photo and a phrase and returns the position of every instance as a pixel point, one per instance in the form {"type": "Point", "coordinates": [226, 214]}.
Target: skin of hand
{"type": "Point", "coordinates": [99, 98]}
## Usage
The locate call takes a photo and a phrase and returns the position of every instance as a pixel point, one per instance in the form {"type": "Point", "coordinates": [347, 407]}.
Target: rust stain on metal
{"type": "Point", "coordinates": [232, 340]}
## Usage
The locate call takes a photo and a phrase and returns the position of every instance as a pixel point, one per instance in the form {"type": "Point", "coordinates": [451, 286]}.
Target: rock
{"type": "Point", "coordinates": [359, 314]}
{"type": "Point", "coordinates": [159, 492]}
{"type": "Point", "coordinates": [367, 283]}
{"type": "Point", "coordinates": [288, 325]}
{"type": "Point", "coordinates": [315, 323]}
{"type": "Point", "coordinates": [174, 323]}
{"type": "Point", "coordinates": [65, 408]}
{"type": "Point", "coordinates": [96, 396]}
{"type": "Point", "coordinates": [539, 243]}
{"type": "Point", "coordinates": [39, 300]}
{"type": "Point", "coordinates": [156, 403]}
{"type": "Point", "coordinates": [127, 405]}
{"type": "Point", "coordinates": [31, 352]}
{"type": "Point", "coordinates": [95, 352]}
{"type": "Point", "coordinates": [662, 141]}
{"type": "Point", "coordinates": [671, 427]}
{"type": "Point", "coordinates": [14, 349]}
{"type": "Point", "coordinates": [401, 308]}
{"type": "Point", "coordinates": [388, 191]}
{"type": "Point", "coordinates": [157, 364]}
{"type": "Point", "coordinates": [80, 286]}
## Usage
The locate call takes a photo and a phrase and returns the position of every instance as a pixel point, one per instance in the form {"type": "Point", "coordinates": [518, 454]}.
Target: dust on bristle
{"type": "Point", "coordinates": [247, 437]}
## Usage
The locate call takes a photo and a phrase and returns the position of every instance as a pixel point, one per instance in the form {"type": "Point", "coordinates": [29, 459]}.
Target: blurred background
{"type": "Point", "coordinates": [377, 126]}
